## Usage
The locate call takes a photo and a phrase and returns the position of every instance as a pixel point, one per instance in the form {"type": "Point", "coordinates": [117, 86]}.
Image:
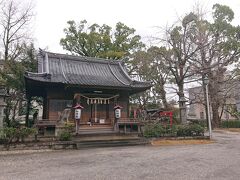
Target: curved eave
{"type": "Point", "coordinates": [35, 86]}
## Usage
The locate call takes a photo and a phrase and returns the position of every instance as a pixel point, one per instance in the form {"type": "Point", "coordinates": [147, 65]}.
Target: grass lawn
{"type": "Point", "coordinates": [229, 129]}
{"type": "Point", "coordinates": [181, 142]}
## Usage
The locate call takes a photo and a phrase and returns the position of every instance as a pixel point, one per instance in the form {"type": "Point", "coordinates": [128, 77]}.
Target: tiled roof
{"type": "Point", "coordinates": [87, 71]}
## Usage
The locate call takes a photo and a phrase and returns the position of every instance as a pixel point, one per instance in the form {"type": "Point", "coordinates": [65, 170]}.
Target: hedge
{"type": "Point", "coordinates": [230, 124]}
{"type": "Point", "coordinates": [158, 130]}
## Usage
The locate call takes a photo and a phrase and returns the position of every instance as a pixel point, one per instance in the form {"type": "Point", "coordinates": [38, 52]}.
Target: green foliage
{"type": "Point", "coordinates": [12, 78]}
{"type": "Point", "coordinates": [197, 130]}
{"type": "Point", "coordinates": [183, 131]}
{"type": "Point", "coordinates": [190, 130]}
{"type": "Point", "coordinates": [151, 66]}
{"type": "Point", "coordinates": [158, 130]}
{"type": "Point", "coordinates": [200, 122]}
{"type": "Point", "coordinates": [171, 131]}
{"type": "Point", "coordinates": [26, 132]}
{"type": "Point", "coordinates": [153, 130]}
{"type": "Point", "coordinates": [68, 127]}
{"type": "Point", "coordinates": [66, 134]}
{"type": "Point", "coordinates": [222, 13]}
{"type": "Point", "coordinates": [100, 41]}
{"type": "Point", "coordinates": [230, 124]}
{"type": "Point", "coordinates": [9, 135]}
{"type": "Point", "coordinates": [2, 138]}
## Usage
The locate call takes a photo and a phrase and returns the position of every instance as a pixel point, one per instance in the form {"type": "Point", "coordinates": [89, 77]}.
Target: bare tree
{"type": "Point", "coordinates": [178, 53]}
{"type": "Point", "coordinates": [15, 18]}
{"type": "Point", "coordinates": [219, 47]}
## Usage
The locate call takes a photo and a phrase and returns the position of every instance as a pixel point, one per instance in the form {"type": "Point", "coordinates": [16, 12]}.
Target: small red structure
{"type": "Point", "coordinates": [167, 114]}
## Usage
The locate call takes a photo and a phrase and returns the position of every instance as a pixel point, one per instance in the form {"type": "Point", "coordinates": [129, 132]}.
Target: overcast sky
{"type": "Point", "coordinates": [143, 15]}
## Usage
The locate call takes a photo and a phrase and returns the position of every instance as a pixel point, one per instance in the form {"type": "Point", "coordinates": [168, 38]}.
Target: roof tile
{"type": "Point", "coordinates": [78, 70]}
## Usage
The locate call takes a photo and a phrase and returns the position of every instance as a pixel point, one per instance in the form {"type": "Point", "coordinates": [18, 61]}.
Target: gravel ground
{"type": "Point", "coordinates": [220, 160]}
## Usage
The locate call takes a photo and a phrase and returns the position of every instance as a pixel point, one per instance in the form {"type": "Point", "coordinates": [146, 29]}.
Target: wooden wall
{"type": "Point", "coordinates": [58, 99]}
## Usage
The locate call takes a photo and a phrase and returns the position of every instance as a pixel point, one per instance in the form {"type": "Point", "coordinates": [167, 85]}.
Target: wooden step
{"type": "Point", "coordinates": [96, 127]}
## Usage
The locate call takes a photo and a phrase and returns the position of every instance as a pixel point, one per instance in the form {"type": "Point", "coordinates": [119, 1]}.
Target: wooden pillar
{"type": "Point", "coordinates": [139, 129]}
{"type": "Point", "coordinates": [107, 111]}
{"type": "Point", "coordinates": [91, 116]}
{"type": "Point", "coordinates": [128, 113]}
{"type": "Point", "coordinates": [44, 116]}
{"type": "Point", "coordinates": [27, 124]}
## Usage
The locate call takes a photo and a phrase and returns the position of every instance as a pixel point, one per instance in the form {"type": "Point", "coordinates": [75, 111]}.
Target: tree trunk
{"type": "Point", "coordinates": [215, 104]}
{"type": "Point", "coordinates": [162, 94]}
{"type": "Point", "coordinates": [182, 104]}
{"type": "Point", "coordinates": [215, 116]}
{"type": "Point", "coordinates": [164, 100]}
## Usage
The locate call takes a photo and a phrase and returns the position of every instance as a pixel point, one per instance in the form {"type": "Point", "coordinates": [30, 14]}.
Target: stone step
{"type": "Point", "coordinates": [110, 143]}
{"type": "Point", "coordinates": [95, 126]}
{"type": "Point", "coordinates": [96, 130]}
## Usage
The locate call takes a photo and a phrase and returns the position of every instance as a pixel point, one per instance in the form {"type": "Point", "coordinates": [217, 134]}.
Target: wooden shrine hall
{"type": "Point", "coordinates": [96, 84]}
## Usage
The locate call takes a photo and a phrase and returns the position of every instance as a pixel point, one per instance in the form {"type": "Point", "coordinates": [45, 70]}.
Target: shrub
{"type": "Point", "coordinates": [66, 135]}
{"type": "Point", "coordinates": [26, 132]}
{"type": "Point", "coordinates": [171, 131]}
{"type": "Point", "coordinates": [201, 122]}
{"type": "Point", "coordinates": [197, 130]}
{"type": "Point", "coordinates": [8, 134]}
{"type": "Point", "coordinates": [69, 127]}
{"type": "Point", "coordinates": [183, 131]}
{"type": "Point", "coordinates": [190, 130]}
{"type": "Point", "coordinates": [157, 130]}
{"type": "Point", "coordinates": [2, 137]}
{"type": "Point", "coordinates": [153, 130]}
{"type": "Point", "coordinates": [230, 124]}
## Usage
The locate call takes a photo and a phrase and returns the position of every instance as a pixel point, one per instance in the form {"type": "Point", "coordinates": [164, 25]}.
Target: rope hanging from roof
{"type": "Point", "coordinates": [98, 100]}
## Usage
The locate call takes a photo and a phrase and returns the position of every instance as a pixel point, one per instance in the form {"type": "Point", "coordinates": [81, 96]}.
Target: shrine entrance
{"type": "Point", "coordinates": [99, 113]}
{"type": "Point", "coordinates": [98, 109]}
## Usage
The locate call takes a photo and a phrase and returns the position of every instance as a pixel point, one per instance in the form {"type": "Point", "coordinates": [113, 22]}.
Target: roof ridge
{"type": "Point", "coordinates": [86, 71]}
{"type": "Point", "coordinates": [79, 58]}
